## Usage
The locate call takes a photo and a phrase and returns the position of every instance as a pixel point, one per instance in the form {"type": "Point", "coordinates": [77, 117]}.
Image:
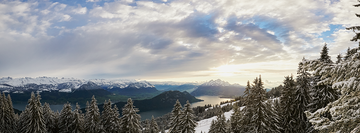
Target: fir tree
{"type": "Point", "coordinates": [247, 112]}
{"type": "Point", "coordinates": [220, 124]}
{"type": "Point", "coordinates": [34, 120]}
{"type": "Point", "coordinates": [235, 119]}
{"type": "Point", "coordinates": [154, 128]}
{"type": "Point", "coordinates": [341, 115]}
{"type": "Point", "coordinates": [147, 126]}
{"type": "Point", "coordinates": [260, 119]}
{"type": "Point", "coordinates": [212, 127]}
{"type": "Point", "coordinates": [175, 118]}
{"type": "Point", "coordinates": [347, 54]}
{"type": "Point", "coordinates": [287, 105]}
{"type": "Point", "coordinates": [66, 118]}
{"type": "Point", "coordinates": [2, 112]}
{"type": "Point", "coordinates": [130, 121]}
{"type": "Point", "coordinates": [77, 125]}
{"type": "Point", "coordinates": [302, 99]}
{"type": "Point", "coordinates": [187, 123]}
{"type": "Point", "coordinates": [274, 108]}
{"type": "Point", "coordinates": [339, 59]}
{"type": "Point", "coordinates": [321, 93]}
{"type": "Point", "coordinates": [324, 54]}
{"type": "Point", "coordinates": [110, 118]}
{"type": "Point", "coordinates": [10, 117]}
{"type": "Point", "coordinates": [49, 117]}
{"type": "Point", "coordinates": [92, 117]}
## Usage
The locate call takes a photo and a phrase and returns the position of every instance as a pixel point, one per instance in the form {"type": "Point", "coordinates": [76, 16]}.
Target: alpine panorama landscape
{"type": "Point", "coordinates": [179, 66]}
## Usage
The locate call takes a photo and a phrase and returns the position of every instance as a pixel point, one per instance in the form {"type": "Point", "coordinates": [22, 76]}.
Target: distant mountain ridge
{"type": "Point", "coordinates": [219, 88]}
{"type": "Point", "coordinates": [19, 85]}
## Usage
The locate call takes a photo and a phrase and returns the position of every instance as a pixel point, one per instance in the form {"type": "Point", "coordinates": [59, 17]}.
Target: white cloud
{"type": "Point", "coordinates": [145, 38]}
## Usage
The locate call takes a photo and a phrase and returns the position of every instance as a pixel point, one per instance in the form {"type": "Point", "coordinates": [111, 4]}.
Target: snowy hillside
{"type": "Point", "coordinates": [63, 84]}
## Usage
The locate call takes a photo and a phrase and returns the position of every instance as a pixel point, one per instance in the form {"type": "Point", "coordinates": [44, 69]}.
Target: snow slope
{"type": "Point", "coordinates": [218, 82]}
{"type": "Point", "coordinates": [204, 125]}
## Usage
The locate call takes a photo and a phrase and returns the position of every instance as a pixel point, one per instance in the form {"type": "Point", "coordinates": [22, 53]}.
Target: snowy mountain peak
{"type": "Point", "coordinates": [65, 84]}
{"type": "Point", "coordinates": [217, 82]}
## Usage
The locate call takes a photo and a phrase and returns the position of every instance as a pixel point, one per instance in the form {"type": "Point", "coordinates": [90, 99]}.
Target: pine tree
{"type": "Point", "coordinates": [321, 93]}
{"type": "Point", "coordinates": [260, 119]}
{"type": "Point", "coordinates": [117, 120]}
{"type": "Point", "coordinates": [187, 122]}
{"type": "Point", "coordinates": [7, 115]}
{"type": "Point", "coordinates": [66, 118]}
{"type": "Point", "coordinates": [92, 117]}
{"type": "Point", "coordinates": [324, 55]}
{"type": "Point", "coordinates": [77, 125]}
{"type": "Point", "coordinates": [247, 112]}
{"type": "Point", "coordinates": [2, 113]}
{"type": "Point", "coordinates": [302, 99]}
{"type": "Point", "coordinates": [339, 59]}
{"type": "Point", "coordinates": [106, 115]}
{"type": "Point", "coordinates": [287, 105]}
{"type": "Point", "coordinates": [175, 118]}
{"type": "Point", "coordinates": [220, 124]}
{"type": "Point", "coordinates": [110, 118]}
{"type": "Point", "coordinates": [147, 126]}
{"type": "Point", "coordinates": [274, 108]}
{"type": "Point", "coordinates": [235, 119]}
{"type": "Point", "coordinates": [212, 127]}
{"type": "Point", "coordinates": [10, 117]}
{"type": "Point", "coordinates": [34, 120]}
{"type": "Point", "coordinates": [154, 128]}
{"type": "Point", "coordinates": [130, 121]}
{"type": "Point", "coordinates": [49, 118]}
{"type": "Point", "coordinates": [341, 115]}
{"type": "Point", "coordinates": [347, 54]}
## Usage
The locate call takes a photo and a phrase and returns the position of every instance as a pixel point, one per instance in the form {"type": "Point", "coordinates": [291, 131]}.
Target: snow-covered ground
{"type": "Point", "coordinates": [204, 125]}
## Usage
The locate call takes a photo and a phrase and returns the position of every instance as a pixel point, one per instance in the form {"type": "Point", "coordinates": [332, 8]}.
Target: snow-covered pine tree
{"type": "Point", "coordinates": [274, 107]}
{"type": "Point", "coordinates": [130, 121]}
{"type": "Point", "coordinates": [260, 121]}
{"type": "Point", "coordinates": [175, 118]}
{"type": "Point", "coordinates": [247, 112]}
{"type": "Point", "coordinates": [343, 114]}
{"type": "Point", "coordinates": [49, 118]}
{"type": "Point", "coordinates": [287, 105]}
{"type": "Point", "coordinates": [106, 116]}
{"type": "Point", "coordinates": [324, 55]}
{"type": "Point", "coordinates": [34, 120]}
{"type": "Point", "coordinates": [66, 118]}
{"type": "Point", "coordinates": [10, 119]}
{"type": "Point", "coordinates": [147, 126]}
{"type": "Point", "coordinates": [2, 112]}
{"type": "Point", "coordinates": [302, 99]}
{"type": "Point", "coordinates": [92, 117]}
{"type": "Point", "coordinates": [110, 118]}
{"type": "Point", "coordinates": [154, 128]}
{"type": "Point", "coordinates": [321, 93]}
{"type": "Point", "coordinates": [187, 122]}
{"type": "Point", "coordinates": [77, 125]}
{"type": "Point", "coordinates": [346, 57]}
{"type": "Point", "coordinates": [212, 127]}
{"type": "Point", "coordinates": [339, 59]}
{"type": "Point", "coordinates": [235, 119]}
{"type": "Point", "coordinates": [220, 123]}
{"type": "Point", "coordinates": [116, 121]}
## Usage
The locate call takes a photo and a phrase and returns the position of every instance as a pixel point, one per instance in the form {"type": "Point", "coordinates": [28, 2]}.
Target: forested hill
{"type": "Point", "coordinates": [161, 101]}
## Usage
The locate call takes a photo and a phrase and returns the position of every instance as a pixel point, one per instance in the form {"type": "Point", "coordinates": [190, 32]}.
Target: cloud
{"type": "Point", "coordinates": [180, 39]}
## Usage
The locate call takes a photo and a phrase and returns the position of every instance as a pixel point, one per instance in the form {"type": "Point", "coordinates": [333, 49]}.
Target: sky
{"type": "Point", "coordinates": [170, 40]}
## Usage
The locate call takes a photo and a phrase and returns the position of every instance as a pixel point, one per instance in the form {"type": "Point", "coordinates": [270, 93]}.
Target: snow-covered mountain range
{"type": "Point", "coordinates": [218, 82]}
{"type": "Point", "coordinates": [9, 84]}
